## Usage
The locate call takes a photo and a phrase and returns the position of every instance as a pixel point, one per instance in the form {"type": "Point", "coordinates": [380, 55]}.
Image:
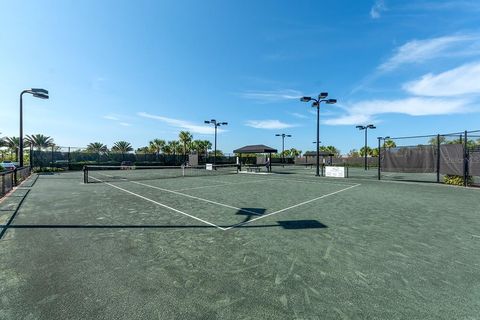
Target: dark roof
{"type": "Point", "coordinates": [314, 154]}
{"type": "Point", "coordinates": [257, 148]}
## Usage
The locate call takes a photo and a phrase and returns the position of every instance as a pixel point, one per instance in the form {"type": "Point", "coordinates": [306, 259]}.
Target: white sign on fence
{"type": "Point", "coordinates": [336, 172]}
{"type": "Point", "coordinates": [209, 166]}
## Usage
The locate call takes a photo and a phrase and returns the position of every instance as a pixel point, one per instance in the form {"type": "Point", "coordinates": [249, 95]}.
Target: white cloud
{"type": "Point", "coordinates": [366, 111]}
{"type": "Point", "coordinates": [268, 124]}
{"type": "Point", "coordinates": [272, 96]}
{"type": "Point", "coordinates": [182, 124]}
{"type": "Point", "coordinates": [459, 81]}
{"type": "Point", "coordinates": [298, 115]}
{"type": "Point", "coordinates": [111, 117]}
{"type": "Point", "coordinates": [418, 51]}
{"type": "Point", "coordinates": [377, 9]}
{"type": "Point", "coordinates": [125, 124]}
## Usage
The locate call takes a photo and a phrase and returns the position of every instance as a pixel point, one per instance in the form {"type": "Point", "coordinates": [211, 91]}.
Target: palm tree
{"type": "Point", "coordinates": [330, 149]}
{"type": "Point", "coordinates": [39, 141]}
{"type": "Point", "coordinates": [433, 141]}
{"type": "Point", "coordinates": [97, 147]}
{"type": "Point", "coordinates": [185, 138]}
{"type": "Point", "coordinates": [173, 147]}
{"type": "Point", "coordinates": [12, 143]}
{"type": "Point", "coordinates": [389, 143]}
{"type": "Point", "coordinates": [156, 145]}
{"type": "Point", "coordinates": [167, 149]}
{"type": "Point", "coordinates": [122, 147]}
{"type": "Point", "coordinates": [353, 153]}
{"type": "Point", "coordinates": [143, 150]}
{"type": "Point", "coordinates": [362, 151]}
{"type": "Point", "coordinates": [295, 152]}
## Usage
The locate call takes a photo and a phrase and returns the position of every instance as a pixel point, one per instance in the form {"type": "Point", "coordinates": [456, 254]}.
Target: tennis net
{"type": "Point", "coordinates": [93, 174]}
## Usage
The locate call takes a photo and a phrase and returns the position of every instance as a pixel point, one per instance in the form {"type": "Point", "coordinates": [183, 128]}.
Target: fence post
{"type": "Point", "coordinates": [438, 158]}
{"type": "Point", "coordinates": [68, 158]}
{"type": "Point", "coordinates": [465, 160]}
{"type": "Point", "coordinates": [379, 157]}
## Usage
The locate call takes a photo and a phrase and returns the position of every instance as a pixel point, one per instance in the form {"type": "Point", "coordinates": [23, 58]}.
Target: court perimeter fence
{"type": "Point", "coordinates": [11, 179]}
{"type": "Point", "coordinates": [74, 158]}
{"type": "Point", "coordinates": [452, 158]}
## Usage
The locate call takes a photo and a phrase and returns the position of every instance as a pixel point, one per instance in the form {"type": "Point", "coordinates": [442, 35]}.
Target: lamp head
{"type": "Point", "coordinates": [39, 90]}
{"type": "Point", "coordinates": [306, 99]}
{"type": "Point", "coordinates": [371, 126]}
{"type": "Point", "coordinates": [322, 95]}
{"type": "Point", "coordinates": [224, 123]}
{"type": "Point", "coordinates": [206, 121]}
{"type": "Point", "coordinates": [331, 101]}
{"type": "Point", "coordinates": [360, 127]}
{"type": "Point", "coordinates": [40, 95]}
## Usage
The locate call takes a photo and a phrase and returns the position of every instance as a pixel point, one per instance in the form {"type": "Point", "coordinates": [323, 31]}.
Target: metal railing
{"type": "Point", "coordinates": [11, 179]}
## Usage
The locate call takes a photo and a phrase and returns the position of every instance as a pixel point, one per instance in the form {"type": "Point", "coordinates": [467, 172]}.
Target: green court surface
{"type": "Point", "coordinates": [287, 245]}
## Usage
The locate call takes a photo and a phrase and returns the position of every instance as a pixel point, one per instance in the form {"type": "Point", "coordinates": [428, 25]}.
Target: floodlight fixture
{"type": "Point", "coordinates": [216, 124]}
{"type": "Point", "coordinates": [316, 104]}
{"type": "Point", "coordinates": [368, 126]}
{"type": "Point", "coordinates": [41, 95]}
{"type": "Point", "coordinates": [283, 135]}
{"type": "Point", "coordinates": [37, 93]}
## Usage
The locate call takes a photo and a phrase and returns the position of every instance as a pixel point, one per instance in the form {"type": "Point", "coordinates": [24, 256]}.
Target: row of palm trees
{"type": "Point", "coordinates": [34, 141]}
{"type": "Point", "coordinates": [184, 145]}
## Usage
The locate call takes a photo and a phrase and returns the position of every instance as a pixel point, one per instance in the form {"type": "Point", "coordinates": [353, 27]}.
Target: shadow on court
{"type": "Point", "coordinates": [286, 224]}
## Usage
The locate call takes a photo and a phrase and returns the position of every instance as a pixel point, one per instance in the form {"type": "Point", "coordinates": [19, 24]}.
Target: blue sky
{"type": "Point", "coordinates": [138, 70]}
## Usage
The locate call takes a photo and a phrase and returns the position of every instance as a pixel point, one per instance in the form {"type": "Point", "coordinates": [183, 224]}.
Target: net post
{"type": "Point", "coordinates": [438, 158]}
{"type": "Point", "coordinates": [465, 160]}
{"type": "Point", "coordinates": [85, 174]}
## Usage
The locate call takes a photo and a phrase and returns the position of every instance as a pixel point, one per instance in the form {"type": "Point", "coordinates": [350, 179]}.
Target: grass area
{"type": "Point", "coordinates": [245, 246]}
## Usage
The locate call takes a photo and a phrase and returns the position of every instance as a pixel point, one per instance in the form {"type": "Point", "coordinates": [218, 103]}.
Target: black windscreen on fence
{"type": "Point", "coordinates": [451, 159]}
{"type": "Point", "coordinates": [418, 159]}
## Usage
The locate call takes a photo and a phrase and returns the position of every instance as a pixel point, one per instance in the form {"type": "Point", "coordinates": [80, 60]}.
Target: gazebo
{"type": "Point", "coordinates": [257, 148]}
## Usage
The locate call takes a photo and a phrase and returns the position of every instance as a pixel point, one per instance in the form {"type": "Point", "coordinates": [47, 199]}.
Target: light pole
{"type": "Point", "coordinates": [316, 104]}
{"type": "Point", "coordinates": [283, 135]}
{"type": "Point", "coordinates": [216, 124]}
{"type": "Point", "coordinates": [369, 126]}
{"type": "Point", "coordinates": [37, 93]}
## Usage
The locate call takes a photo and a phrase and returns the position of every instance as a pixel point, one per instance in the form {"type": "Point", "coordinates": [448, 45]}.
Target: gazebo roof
{"type": "Point", "coordinates": [256, 148]}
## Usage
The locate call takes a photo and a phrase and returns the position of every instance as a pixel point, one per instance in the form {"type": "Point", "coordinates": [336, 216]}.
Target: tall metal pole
{"type": "Point", "coordinates": [20, 139]}
{"type": "Point", "coordinates": [465, 160]}
{"type": "Point", "coordinates": [365, 150]}
{"type": "Point", "coordinates": [318, 140]}
{"type": "Point", "coordinates": [438, 158]}
{"type": "Point", "coordinates": [283, 148]}
{"type": "Point", "coordinates": [215, 154]}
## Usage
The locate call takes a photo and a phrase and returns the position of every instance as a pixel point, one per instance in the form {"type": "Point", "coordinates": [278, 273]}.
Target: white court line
{"type": "Point", "coordinates": [197, 198]}
{"type": "Point", "coordinates": [160, 204]}
{"type": "Point", "coordinates": [222, 185]}
{"type": "Point", "coordinates": [291, 207]}
{"type": "Point", "coordinates": [328, 182]}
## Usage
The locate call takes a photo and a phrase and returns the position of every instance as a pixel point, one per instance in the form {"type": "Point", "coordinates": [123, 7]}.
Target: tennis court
{"type": "Point", "coordinates": [286, 245]}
